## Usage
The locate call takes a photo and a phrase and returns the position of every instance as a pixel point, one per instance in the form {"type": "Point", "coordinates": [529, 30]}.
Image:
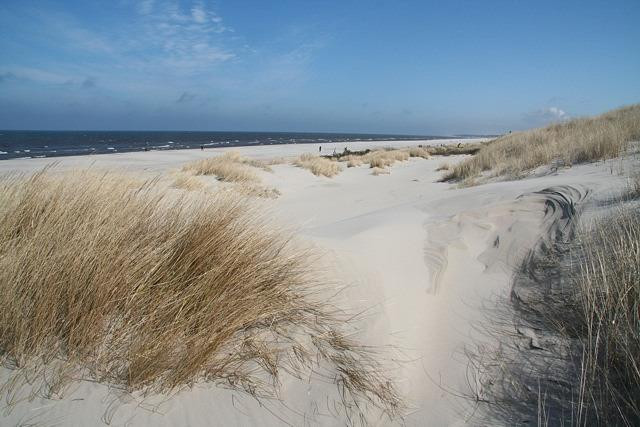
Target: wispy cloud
{"type": "Point", "coordinates": [65, 32]}
{"type": "Point", "coordinates": [149, 50]}
{"type": "Point", "coordinates": [546, 115]}
{"type": "Point", "coordinates": [6, 76]}
{"type": "Point", "coordinates": [36, 75]}
{"type": "Point", "coordinates": [187, 39]}
{"type": "Point", "coordinates": [557, 113]}
{"type": "Point", "coordinates": [146, 7]}
{"type": "Point", "coordinates": [159, 35]}
{"type": "Point", "coordinates": [290, 66]}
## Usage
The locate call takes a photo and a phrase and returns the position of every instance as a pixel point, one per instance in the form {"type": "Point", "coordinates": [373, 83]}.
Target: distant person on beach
{"type": "Point", "coordinates": [202, 148]}
{"type": "Point", "coordinates": [320, 149]}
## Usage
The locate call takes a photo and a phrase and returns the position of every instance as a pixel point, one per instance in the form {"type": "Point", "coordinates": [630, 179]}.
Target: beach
{"type": "Point", "coordinates": [421, 261]}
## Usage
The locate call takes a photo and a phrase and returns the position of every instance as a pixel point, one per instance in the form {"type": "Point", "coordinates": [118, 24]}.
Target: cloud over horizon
{"type": "Point", "coordinates": [545, 116]}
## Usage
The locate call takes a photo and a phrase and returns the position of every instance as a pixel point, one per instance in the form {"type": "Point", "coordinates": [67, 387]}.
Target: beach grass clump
{"type": "Point", "coordinates": [563, 144]}
{"type": "Point", "coordinates": [635, 184]}
{"type": "Point", "coordinates": [607, 307]}
{"type": "Point", "coordinates": [355, 162]}
{"type": "Point", "coordinates": [319, 166]}
{"type": "Point", "coordinates": [380, 171]}
{"type": "Point", "coordinates": [575, 359]}
{"type": "Point", "coordinates": [454, 150]}
{"type": "Point", "coordinates": [444, 166]}
{"type": "Point", "coordinates": [187, 182]}
{"type": "Point", "coordinates": [419, 152]}
{"type": "Point", "coordinates": [116, 281]}
{"type": "Point", "coordinates": [255, 190]}
{"type": "Point", "coordinates": [229, 167]}
{"type": "Point", "coordinates": [385, 158]}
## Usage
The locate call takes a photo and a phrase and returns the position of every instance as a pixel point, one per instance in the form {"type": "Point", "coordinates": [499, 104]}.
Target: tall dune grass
{"type": "Point", "coordinates": [187, 182]}
{"type": "Point", "coordinates": [607, 308]}
{"type": "Point", "coordinates": [123, 283]}
{"type": "Point", "coordinates": [575, 359]}
{"type": "Point", "coordinates": [576, 141]}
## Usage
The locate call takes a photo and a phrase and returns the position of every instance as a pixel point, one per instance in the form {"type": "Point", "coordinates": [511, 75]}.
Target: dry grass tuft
{"type": "Point", "coordinates": [635, 184]}
{"type": "Point", "coordinates": [355, 162]}
{"type": "Point", "coordinates": [454, 150]}
{"type": "Point", "coordinates": [419, 152]}
{"type": "Point", "coordinates": [254, 190]}
{"type": "Point", "coordinates": [443, 167]}
{"type": "Point", "coordinates": [562, 144]}
{"type": "Point", "coordinates": [384, 158]}
{"type": "Point", "coordinates": [187, 182]}
{"type": "Point", "coordinates": [319, 166]}
{"type": "Point", "coordinates": [274, 161]}
{"type": "Point", "coordinates": [230, 167]}
{"type": "Point", "coordinates": [117, 282]}
{"type": "Point", "coordinates": [380, 171]}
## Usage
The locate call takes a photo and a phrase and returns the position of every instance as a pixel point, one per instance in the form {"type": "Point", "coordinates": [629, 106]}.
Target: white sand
{"type": "Point", "coordinates": [424, 258]}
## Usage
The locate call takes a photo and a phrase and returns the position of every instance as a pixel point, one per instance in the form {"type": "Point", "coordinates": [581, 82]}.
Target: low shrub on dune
{"type": "Point", "coordinates": [115, 281]}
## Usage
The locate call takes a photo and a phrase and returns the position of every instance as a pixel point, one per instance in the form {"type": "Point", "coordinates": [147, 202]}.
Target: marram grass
{"type": "Point", "coordinates": [122, 282]}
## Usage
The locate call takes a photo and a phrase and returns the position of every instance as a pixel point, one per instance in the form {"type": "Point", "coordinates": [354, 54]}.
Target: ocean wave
{"type": "Point", "coordinates": [3, 152]}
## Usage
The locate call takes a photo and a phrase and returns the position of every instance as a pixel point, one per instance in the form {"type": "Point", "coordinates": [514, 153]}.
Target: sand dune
{"type": "Point", "coordinates": [421, 262]}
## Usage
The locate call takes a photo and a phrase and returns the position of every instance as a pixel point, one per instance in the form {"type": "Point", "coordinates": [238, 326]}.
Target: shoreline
{"type": "Point", "coordinates": [168, 144]}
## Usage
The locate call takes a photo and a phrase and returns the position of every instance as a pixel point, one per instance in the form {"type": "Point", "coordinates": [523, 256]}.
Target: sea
{"type": "Point", "coordinates": [30, 144]}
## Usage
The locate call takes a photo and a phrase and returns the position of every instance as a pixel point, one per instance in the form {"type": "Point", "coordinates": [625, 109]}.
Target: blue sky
{"type": "Point", "coordinates": [416, 67]}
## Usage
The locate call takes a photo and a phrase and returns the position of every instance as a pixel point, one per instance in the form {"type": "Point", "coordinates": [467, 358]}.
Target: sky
{"type": "Point", "coordinates": [407, 67]}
